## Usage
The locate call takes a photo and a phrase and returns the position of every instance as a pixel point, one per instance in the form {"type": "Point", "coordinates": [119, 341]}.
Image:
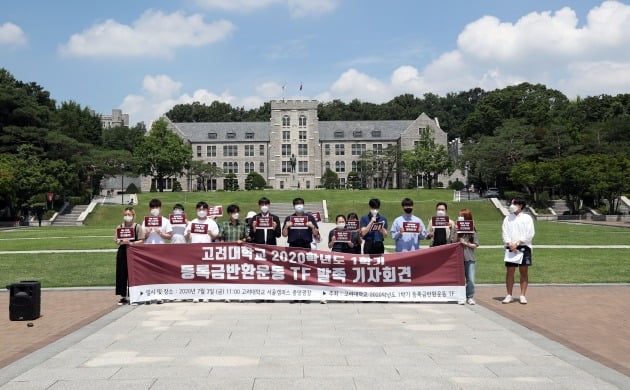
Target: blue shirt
{"type": "Point", "coordinates": [301, 235]}
{"type": "Point", "coordinates": [406, 242]}
{"type": "Point", "coordinates": [373, 236]}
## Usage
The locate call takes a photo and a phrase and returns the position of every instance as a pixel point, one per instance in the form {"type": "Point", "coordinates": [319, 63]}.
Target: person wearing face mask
{"type": "Point", "coordinates": [264, 235]}
{"type": "Point", "coordinates": [470, 242]}
{"type": "Point", "coordinates": [233, 230]}
{"type": "Point", "coordinates": [518, 233]}
{"type": "Point", "coordinates": [356, 234]}
{"type": "Point", "coordinates": [440, 235]}
{"type": "Point", "coordinates": [373, 238]}
{"type": "Point", "coordinates": [339, 246]}
{"type": "Point", "coordinates": [297, 236]}
{"type": "Point", "coordinates": [157, 235]}
{"type": "Point", "coordinates": [122, 274]}
{"type": "Point", "coordinates": [212, 230]}
{"type": "Point", "coordinates": [179, 229]}
{"type": "Point", "coordinates": [402, 229]}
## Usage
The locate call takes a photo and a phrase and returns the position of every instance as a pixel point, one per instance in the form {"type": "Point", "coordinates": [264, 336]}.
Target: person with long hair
{"type": "Point", "coordinates": [122, 274]}
{"type": "Point", "coordinates": [470, 242]}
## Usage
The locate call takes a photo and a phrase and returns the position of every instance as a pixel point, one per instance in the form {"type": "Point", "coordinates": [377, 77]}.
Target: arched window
{"type": "Point", "coordinates": [286, 121]}
{"type": "Point", "coordinates": [354, 166]}
{"type": "Point", "coordinates": [327, 165]}
{"type": "Point", "coordinates": [302, 121]}
{"type": "Point", "coordinates": [343, 166]}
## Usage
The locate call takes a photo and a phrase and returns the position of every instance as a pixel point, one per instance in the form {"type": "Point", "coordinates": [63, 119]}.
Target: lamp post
{"type": "Point", "coordinates": [122, 184]}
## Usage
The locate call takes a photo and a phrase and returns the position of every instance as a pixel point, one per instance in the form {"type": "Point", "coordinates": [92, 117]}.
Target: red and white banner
{"type": "Point", "coordinates": [220, 271]}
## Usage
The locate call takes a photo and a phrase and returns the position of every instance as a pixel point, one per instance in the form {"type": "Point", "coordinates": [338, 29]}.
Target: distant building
{"type": "Point", "coordinates": [117, 118]}
{"type": "Point", "coordinates": [295, 133]}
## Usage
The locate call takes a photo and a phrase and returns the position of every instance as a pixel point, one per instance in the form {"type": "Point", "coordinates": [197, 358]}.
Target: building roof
{"type": "Point", "coordinates": [197, 132]}
{"type": "Point", "coordinates": [362, 130]}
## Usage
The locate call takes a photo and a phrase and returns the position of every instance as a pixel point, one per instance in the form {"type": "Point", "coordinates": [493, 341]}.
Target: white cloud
{"type": "Point", "coordinates": [11, 35]}
{"type": "Point", "coordinates": [541, 47]}
{"type": "Point", "coordinates": [154, 34]}
{"type": "Point", "coordinates": [297, 8]}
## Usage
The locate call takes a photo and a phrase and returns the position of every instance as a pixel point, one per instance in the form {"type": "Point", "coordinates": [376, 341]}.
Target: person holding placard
{"type": "Point", "coordinates": [178, 222]}
{"type": "Point", "coordinates": [264, 226]}
{"type": "Point", "coordinates": [408, 230]}
{"type": "Point", "coordinates": [373, 229]}
{"type": "Point", "coordinates": [300, 227]}
{"type": "Point", "coordinates": [518, 233]}
{"type": "Point", "coordinates": [353, 224]}
{"type": "Point", "coordinates": [441, 228]}
{"type": "Point", "coordinates": [156, 227]}
{"type": "Point", "coordinates": [203, 229]}
{"type": "Point", "coordinates": [467, 236]}
{"type": "Point", "coordinates": [340, 239]}
{"type": "Point", "coordinates": [127, 233]}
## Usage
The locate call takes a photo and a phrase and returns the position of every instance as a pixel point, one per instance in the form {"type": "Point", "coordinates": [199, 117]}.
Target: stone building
{"type": "Point", "coordinates": [117, 118]}
{"type": "Point", "coordinates": [294, 148]}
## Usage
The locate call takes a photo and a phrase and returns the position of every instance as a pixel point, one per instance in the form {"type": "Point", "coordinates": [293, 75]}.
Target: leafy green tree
{"type": "Point", "coordinates": [204, 173]}
{"type": "Point", "coordinates": [428, 159]}
{"type": "Point", "coordinates": [354, 181]}
{"type": "Point", "coordinates": [330, 179]}
{"type": "Point", "coordinates": [79, 123]}
{"type": "Point", "coordinates": [254, 181]}
{"type": "Point", "coordinates": [230, 183]}
{"type": "Point", "coordinates": [162, 154]}
{"type": "Point", "coordinates": [123, 137]}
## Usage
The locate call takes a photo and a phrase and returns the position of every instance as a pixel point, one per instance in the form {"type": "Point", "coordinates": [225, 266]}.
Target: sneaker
{"type": "Point", "coordinates": [508, 299]}
{"type": "Point", "coordinates": [134, 303]}
{"type": "Point", "coordinates": [227, 301]}
{"type": "Point", "coordinates": [471, 301]}
{"type": "Point", "coordinates": [523, 300]}
{"type": "Point", "coordinates": [461, 302]}
{"type": "Point", "coordinates": [160, 301]}
{"type": "Point", "coordinates": [196, 300]}
{"type": "Point", "coordinates": [323, 302]}
{"type": "Point", "coordinates": [123, 301]}
{"type": "Point", "coordinates": [206, 300]}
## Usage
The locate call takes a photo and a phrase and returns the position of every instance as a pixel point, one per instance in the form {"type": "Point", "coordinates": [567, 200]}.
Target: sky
{"type": "Point", "coordinates": [145, 56]}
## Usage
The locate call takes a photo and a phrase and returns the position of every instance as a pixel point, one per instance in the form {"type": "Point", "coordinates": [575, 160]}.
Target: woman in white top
{"type": "Point", "coordinates": [157, 234]}
{"type": "Point", "coordinates": [179, 229]}
{"type": "Point", "coordinates": [195, 233]}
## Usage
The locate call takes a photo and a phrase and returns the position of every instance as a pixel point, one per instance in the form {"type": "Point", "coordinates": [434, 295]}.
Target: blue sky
{"type": "Point", "coordinates": [145, 56]}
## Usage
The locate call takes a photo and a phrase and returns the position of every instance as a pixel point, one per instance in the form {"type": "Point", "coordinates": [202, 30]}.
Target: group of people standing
{"type": "Point", "coordinates": [302, 231]}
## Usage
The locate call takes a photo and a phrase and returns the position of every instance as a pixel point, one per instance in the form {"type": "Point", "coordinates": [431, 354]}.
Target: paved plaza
{"type": "Point", "coordinates": [311, 346]}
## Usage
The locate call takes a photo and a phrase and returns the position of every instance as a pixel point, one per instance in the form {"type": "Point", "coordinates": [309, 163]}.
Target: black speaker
{"type": "Point", "coordinates": [25, 300]}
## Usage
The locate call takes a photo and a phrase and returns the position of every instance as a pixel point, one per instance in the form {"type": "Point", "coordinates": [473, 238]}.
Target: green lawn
{"type": "Point", "coordinates": [97, 269]}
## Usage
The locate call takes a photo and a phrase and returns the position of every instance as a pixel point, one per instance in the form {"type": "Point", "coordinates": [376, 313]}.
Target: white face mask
{"type": "Point", "coordinates": [264, 209]}
{"type": "Point", "coordinates": [513, 208]}
{"type": "Point", "coordinates": [341, 225]}
{"type": "Point", "coordinates": [128, 218]}
{"type": "Point", "coordinates": [155, 212]}
{"type": "Point", "coordinates": [374, 211]}
{"type": "Point", "coordinates": [235, 216]}
{"type": "Point", "coordinates": [299, 208]}
{"type": "Point", "coordinates": [202, 213]}
{"type": "Point", "coordinates": [178, 211]}
{"type": "Point", "coordinates": [460, 218]}
{"type": "Point", "coordinates": [440, 213]}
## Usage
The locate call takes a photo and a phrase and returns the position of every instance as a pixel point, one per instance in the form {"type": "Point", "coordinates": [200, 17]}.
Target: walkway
{"type": "Point", "coordinates": [334, 346]}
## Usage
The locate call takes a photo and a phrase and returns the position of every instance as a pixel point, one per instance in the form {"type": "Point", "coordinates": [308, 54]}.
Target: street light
{"type": "Point", "coordinates": [122, 184]}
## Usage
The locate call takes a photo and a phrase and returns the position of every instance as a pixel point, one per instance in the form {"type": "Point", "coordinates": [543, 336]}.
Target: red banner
{"type": "Point", "coordinates": [245, 271]}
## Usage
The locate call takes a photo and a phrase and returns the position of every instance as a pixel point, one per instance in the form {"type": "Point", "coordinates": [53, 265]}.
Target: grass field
{"type": "Point", "coordinates": [97, 269]}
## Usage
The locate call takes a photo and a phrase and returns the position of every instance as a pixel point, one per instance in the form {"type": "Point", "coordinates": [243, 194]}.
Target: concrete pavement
{"type": "Point", "coordinates": [283, 345]}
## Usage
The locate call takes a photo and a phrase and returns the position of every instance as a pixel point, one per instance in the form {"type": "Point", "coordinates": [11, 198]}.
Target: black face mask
{"type": "Point", "coordinates": [408, 210]}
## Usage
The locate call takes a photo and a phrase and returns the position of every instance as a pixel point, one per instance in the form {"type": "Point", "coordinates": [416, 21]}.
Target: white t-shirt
{"type": "Point", "coordinates": [178, 234]}
{"type": "Point", "coordinates": [518, 228]}
{"type": "Point", "coordinates": [155, 238]}
{"type": "Point", "coordinates": [198, 238]}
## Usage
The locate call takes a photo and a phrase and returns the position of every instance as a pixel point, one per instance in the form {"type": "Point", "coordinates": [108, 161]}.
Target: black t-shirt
{"type": "Point", "coordinates": [439, 236]}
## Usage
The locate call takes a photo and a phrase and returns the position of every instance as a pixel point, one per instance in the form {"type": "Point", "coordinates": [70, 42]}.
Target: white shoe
{"type": "Point", "coordinates": [206, 300]}
{"type": "Point", "coordinates": [508, 299]}
{"type": "Point", "coordinates": [523, 300]}
{"type": "Point", "coordinates": [461, 302]}
{"type": "Point", "coordinates": [471, 301]}
{"type": "Point", "coordinates": [196, 300]}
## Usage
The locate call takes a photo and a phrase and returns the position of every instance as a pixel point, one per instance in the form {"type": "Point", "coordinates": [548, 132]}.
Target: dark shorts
{"type": "Point", "coordinates": [527, 257]}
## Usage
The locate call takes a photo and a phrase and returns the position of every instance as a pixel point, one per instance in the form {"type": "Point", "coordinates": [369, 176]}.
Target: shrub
{"type": "Point", "coordinates": [177, 186]}
{"type": "Point", "coordinates": [132, 189]}
{"type": "Point", "coordinates": [153, 187]}
{"type": "Point", "coordinates": [456, 185]}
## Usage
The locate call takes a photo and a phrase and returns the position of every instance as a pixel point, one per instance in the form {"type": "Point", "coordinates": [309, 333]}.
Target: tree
{"type": "Point", "coordinates": [354, 181]}
{"type": "Point", "coordinates": [330, 180]}
{"type": "Point", "coordinates": [254, 181]}
{"type": "Point", "coordinates": [162, 154]}
{"type": "Point", "coordinates": [123, 137]}
{"type": "Point", "coordinates": [427, 159]}
{"type": "Point", "coordinates": [204, 173]}
{"type": "Point", "coordinates": [230, 183]}
{"type": "Point", "coordinates": [78, 123]}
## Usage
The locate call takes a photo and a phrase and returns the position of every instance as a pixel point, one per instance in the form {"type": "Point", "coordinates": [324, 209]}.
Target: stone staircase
{"type": "Point", "coordinates": [70, 216]}
{"type": "Point", "coordinates": [559, 206]}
